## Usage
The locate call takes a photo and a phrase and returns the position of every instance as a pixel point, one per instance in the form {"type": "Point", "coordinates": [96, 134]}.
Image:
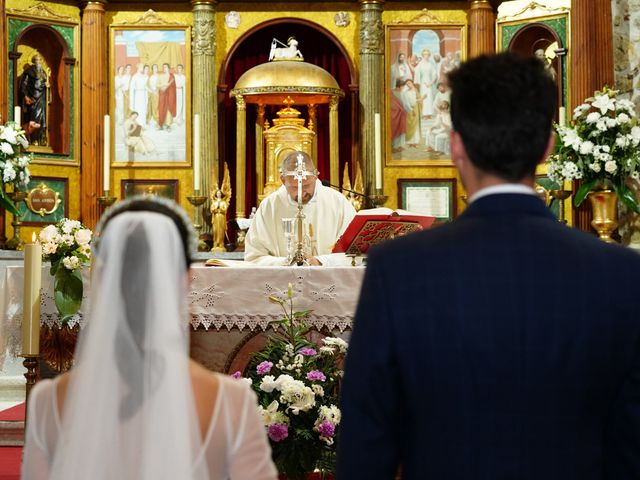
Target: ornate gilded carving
{"type": "Point", "coordinates": [41, 10]}
{"type": "Point", "coordinates": [203, 36]}
{"type": "Point", "coordinates": [425, 16]}
{"type": "Point", "coordinates": [371, 36]}
{"type": "Point", "coordinates": [546, 10]}
{"type": "Point", "coordinates": [150, 17]}
{"type": "Point", "coordinates": [241, 102]}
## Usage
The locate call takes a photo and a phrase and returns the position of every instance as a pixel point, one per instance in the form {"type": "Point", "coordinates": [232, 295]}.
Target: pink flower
{"type": "Point", "coordinates": [327, 429]}
{"type": "Point", "coordinates": [307, 351]}
{"type": "Point", "coordinates": [316, 375]}
{"type": "Point", "coordinates": [278, 431]}
{"type": "Point", "coordinates": [237, 375]}
{"type": "Point", "coordinates": [264, 367]}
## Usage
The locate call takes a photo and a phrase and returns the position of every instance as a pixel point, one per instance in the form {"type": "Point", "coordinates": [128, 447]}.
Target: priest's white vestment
{"type": "Point", "coordinates": [328, 211]}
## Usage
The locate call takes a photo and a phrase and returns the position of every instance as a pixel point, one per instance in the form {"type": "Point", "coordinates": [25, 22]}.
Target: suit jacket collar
{"type": "Point", "coordinates": [508, 204]}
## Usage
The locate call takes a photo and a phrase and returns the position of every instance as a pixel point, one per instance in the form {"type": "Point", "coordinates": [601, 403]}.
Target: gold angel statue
{"type": "Point", "coordinates": [220, 199]}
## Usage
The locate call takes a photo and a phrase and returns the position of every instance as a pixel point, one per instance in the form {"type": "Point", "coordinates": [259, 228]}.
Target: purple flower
{"type": "Point", "coordinates": [264, 367]}
{"type": "Point", "coordinates": [237, 375]}
{"type": "Point", "coordinates": [316, 375]}
{"type": "Point", "coordinates": [307, 351]}
{"type": "Point", "coordinates": [326, 429]}
{"type": "Point", "coordinates": [278, 431]}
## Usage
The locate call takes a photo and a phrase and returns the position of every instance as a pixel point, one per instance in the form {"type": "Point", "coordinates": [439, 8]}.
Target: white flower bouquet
{"type": "Point", "coordinates": [601, 148]}
{"type": "Point", "coordinates": [297, 382]}
{"type": "Point", "coordinates": [67, 246]}
{"type": "Point", "coordinates": [14, 163]}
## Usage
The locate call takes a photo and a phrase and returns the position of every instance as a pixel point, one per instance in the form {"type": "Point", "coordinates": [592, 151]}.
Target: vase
{"type": "Point", "coordinates": [604, 205]}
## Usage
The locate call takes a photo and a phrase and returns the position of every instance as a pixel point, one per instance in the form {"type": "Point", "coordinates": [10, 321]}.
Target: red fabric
{"type": "Point", "coordinates": [10, 458]}
{"type": "Point", "coordinates": [398, 117]}
{"type": "Point", "coordinates": [254, 50]}
{"type": "Point", "coordinates": [13, 414]}
{"type": "Point", "coordinates": [167, 101]}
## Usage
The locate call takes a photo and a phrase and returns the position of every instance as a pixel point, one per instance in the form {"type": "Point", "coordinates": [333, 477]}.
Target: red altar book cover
{"type": "Point", "coordinates": [373, 226]}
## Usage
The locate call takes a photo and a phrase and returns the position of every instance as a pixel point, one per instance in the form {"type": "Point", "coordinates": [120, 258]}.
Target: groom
{"type": "Point", "coordinates": [503, 345]}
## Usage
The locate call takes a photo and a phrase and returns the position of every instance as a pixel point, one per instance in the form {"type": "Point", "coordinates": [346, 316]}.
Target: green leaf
{"type": "Point", "coordinates": [67, 292]}
{"type": "Point", "coordinates": [627, 197]}
{"type": "Point", "coordinates": [583, 191]}
{"type": "Point", "coordinates": [7, 203]}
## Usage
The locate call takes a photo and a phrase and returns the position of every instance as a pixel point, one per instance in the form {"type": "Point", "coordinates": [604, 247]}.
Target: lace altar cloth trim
{"type": "Point", "coordinates": [219, 298]}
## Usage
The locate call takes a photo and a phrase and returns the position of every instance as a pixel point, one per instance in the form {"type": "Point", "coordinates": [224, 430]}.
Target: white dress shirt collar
{"type": "Point", "coordinates": [502, 188]}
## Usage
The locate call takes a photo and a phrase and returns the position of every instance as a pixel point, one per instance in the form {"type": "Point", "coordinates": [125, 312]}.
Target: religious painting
{"type": "Point", "coordinates": [418, 120]}
{"type": "Point", "coordinates": [47, 201]}
{"type": "Point", "coordinates": [150, 96]}
{"type": "Point", "coordinates": [434, 197]}
{"type": "Point", "coordinates": [163, 188]}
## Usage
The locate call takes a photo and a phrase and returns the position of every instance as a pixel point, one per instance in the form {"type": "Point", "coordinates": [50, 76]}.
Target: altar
{"type": "Point", "coordinates": [229, 311]}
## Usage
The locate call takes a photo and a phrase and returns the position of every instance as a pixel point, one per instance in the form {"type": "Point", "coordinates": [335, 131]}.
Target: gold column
{"type": "Point", "coordinates": [94, 96]}
{"type": "Point", "coordinates": [371, 83]}
{"type": "Point", "coordinates": [4, 74]}
{"type": "Point", "coordinates": [482, 37]}
{"type": "Point", "coordinates": [260, 151]}
{"type": "Point", "coordinates": [334, 150]}
{"type": "Point", "coordinates": [241, 156]}
{"type": "Point", "coordinates": [311, 125]}
{"type": "Point", "coordinates": [204, 92]}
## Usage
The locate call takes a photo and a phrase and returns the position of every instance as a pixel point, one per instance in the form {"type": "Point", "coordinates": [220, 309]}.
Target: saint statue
{"type": "Point", "coordinates": [34, 88]}
{"type": "Point", "coordinates": [219, 206]}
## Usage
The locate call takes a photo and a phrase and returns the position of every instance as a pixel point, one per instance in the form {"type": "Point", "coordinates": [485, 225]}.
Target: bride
{"type": "Point", "coordinates": [135, 406]}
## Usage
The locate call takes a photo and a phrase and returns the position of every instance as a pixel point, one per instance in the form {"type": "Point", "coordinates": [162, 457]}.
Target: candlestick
{"type": "Point", "coordinates": [107, 153]}
{"type": "Point", "coordinates": [106, 200]}
{"type": "Point", "coordinates": [196, 151]}
{"type": "Point", "coordinates": [31, 298]}
{"type": "Point", "coordinates": [197, 200]}
{"type": "Point", "coordinates": [562, 116]}
{"type": "Point", "coordinates": [17, 114]}
{"type": "Point", "coordinates": [378, 151]}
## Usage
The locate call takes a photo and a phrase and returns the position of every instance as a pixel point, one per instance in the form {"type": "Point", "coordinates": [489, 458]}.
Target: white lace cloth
{"type": "Point", "coordinates": [220, 297]}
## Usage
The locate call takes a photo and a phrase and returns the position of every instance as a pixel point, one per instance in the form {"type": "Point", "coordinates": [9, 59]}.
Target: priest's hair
{"type": "Point", "coordinates": [290, 163]}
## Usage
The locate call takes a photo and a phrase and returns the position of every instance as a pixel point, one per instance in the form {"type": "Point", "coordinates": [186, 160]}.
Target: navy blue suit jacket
{"type": "Point", "coordinates": [503, 345]}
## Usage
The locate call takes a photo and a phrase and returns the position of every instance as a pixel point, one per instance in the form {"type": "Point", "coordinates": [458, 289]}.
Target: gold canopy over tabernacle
{"type": "Point", "coordinates": [269, 83]}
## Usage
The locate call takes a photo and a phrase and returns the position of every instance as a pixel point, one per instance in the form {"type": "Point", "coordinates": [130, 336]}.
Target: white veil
{"type": "Point", "coordinates": [129, 411]}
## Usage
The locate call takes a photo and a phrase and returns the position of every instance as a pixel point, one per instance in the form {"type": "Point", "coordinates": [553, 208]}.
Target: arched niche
{"type": "Point", "coordinates": [319, 47]}
{"type": "Point", "coordinates": [47, 42]}
{"type": "Point", "coordinates": [539, 36]}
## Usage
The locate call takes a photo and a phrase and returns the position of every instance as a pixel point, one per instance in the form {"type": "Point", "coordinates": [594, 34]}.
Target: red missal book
{"type": "Point", "coordinates": [373, 226]}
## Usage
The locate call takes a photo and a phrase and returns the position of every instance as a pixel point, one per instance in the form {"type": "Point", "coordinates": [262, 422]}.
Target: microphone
{"type": "Point", "coordinates": [327, 184]}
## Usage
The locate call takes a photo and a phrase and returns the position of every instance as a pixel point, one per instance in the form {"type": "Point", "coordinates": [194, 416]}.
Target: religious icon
{"type": "Point", "coordinates": [285, 52]}
{"type": "Point", "coordinates": [418, 99]}
{"type": "Point", "coordinates": [150, 95]}
{"type": "Point", "coordinates": [35, 99]}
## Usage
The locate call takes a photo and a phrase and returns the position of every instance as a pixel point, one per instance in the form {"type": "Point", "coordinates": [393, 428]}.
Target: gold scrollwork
{"type": "Point", "coordinates": [425, 16]}
{"type": "Point", "coordinates": [43, 200]}
{"type": "Point", "coordinates": [41, 10]}
{"type": "Point", "coordinates": [534, 6]}
{"type": "Point", "coordinates": [150, 17]}
{"type": "Point", "coordinates": [203, 36]}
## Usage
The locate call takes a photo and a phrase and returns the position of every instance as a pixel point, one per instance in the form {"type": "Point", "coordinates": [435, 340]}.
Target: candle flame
{"type": "Point", "coordinates": [33, 237]}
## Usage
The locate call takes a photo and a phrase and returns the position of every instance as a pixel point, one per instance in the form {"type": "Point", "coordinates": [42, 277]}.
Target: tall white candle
{"type": "Point", "coordinates": [17, 113]}
{"type": "Point", "coordinates": [378, 150]}
{"type": "Point", "coordinates": [107, 153]}
{"type": "Point", "coordinates": [562, 116]}
{"type": "Point", "coordinates": [196, 151]}
{"type": "Point", "coordinates": [31, 298]}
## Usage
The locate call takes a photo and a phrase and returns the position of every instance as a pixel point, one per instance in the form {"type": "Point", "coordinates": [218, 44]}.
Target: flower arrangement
{"type": "Point", "coordinates": [602, 148]}
{"type": "Point", "coordinates": [297, 384]}
{"type": "Point", "coordinates": [67, 246]}
{"type": "Point", "coordinates": [14, 163]}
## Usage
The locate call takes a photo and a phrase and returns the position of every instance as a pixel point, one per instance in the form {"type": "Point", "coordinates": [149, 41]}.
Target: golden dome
{"type": "Point", "coordinates": [271, 82]}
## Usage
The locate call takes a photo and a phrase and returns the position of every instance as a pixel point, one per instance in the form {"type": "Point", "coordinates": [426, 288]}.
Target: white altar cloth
{"type": "Point", "coordinates": [219, 297]}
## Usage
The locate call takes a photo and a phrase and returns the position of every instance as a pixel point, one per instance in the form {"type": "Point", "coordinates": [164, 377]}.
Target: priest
{"type": "Point", "coordinates": [327, 213]}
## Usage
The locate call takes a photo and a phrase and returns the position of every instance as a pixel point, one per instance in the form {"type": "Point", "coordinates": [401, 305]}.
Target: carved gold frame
{"type": "Point", "coordinates": [424, 21]}
{"type": "Point", "coordinates": [150, 21]}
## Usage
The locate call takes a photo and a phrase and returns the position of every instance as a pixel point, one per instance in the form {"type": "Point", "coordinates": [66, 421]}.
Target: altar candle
{"type": "Point", "coordinates": [562, 116]}
{"type": "Point", "coordinates": [17, 113]}
{"type": "Point", "coordinates": [31, 298]}
{"type": "Point", "coordinates": [378, 151]}
{"type": "Point", "coordinates": [107, 153]}
{"type": "Point", "coordinates": [196, 151]}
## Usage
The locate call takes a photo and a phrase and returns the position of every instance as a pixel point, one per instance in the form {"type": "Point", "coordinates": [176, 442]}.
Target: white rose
{"type": "Point", "coordinates": [602, 124]}
{"type": "Point", "coordinates": [610, 166]}
{"type": "Point", "coordinates": [595, 166]}
{"type": "Point", "coordinates": [49, 248]}
{"type": "Point", "coordinates": [622, 142]}
{"type": "Point", "coordinates": [623, 118]}
{"type": "Point", "coordinates": [336, 342]}
{"type": "Point", "coordinates": [318, 390]}
{"type": "Point", "coordinates": [593, 117]}
{"type": "Point", "coordinates": [6, 148]}
{"type": "Point", "coordinates": [586, 147]}
{"type": "Point", "coordinates": [83, 236]}
{"type": "Point", "coordinates": [9, 134]}
{"type": "Point", "coordinates": [71, 263]}
{"type": "Point", "coordinates": [611, 122]}
{"type": "Point", "coordinates": [635, 133]}
{"type": "Point", "coordinates": [68, 239]}
{"type": "Point", "coordinates": [9, 173]}
{"type": "Point", "coordinates": [48, 234]}
{"type": "Point", "coordinates": [69, 225]}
